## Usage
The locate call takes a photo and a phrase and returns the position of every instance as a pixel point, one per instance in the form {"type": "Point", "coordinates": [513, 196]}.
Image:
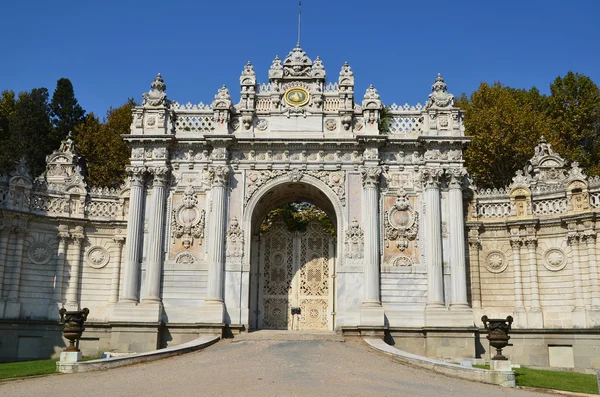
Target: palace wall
{"type": "Point", "coordinates": [420, 253]}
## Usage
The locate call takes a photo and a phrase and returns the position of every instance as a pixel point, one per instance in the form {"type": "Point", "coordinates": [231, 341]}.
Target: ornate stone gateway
{"type": "Point", "coordinates": [296, 273]}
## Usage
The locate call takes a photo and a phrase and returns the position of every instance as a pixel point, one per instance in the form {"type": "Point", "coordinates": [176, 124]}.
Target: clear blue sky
{"type": "Point", "coordinates": [111, 50]}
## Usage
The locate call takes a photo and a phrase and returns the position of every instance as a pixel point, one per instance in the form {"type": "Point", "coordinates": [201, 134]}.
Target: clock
{"type": "Point", "coordinates": [296, 96]}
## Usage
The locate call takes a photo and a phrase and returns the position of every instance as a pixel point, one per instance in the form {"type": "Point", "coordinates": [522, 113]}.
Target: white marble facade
{"type": "Point", "coordinates": [416, 246]}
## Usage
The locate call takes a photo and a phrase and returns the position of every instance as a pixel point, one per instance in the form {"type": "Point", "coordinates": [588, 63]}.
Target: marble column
{"type": "Point", "coordinates": [156, 235]}
{"type": "Point", "coordinates": [520, 315]}
{"type": "Point", "coordinates": [75, 273]}
{"type": "Point", "coordinates": [456, 237]}
{"type": "Point", "coordinates": [216, 244]}
{"type": "Point", "coordinates": [433, 229]}
{"type": "Point", "coordinates": [116, 272]}
{"type": "Point", "coordinates": [135, 230]}
{"type": "Point", "coordinates": [579, 316]}
{"type": "Point", "coordinates": [371, 311]}
{"type": "Point", "coordinates": [370, 179]}
{"type": "Point", "coordinates": [534, 316]}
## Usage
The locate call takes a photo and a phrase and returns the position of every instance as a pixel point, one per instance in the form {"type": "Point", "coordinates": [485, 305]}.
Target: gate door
{"type": "Point", "coordinates": [295, 273]}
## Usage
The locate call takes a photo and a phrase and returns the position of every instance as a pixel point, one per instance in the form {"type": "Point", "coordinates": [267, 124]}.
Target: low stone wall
{"type": "Point", "coordinates": [114, 362]}
{"type": "Point", "coordinates": [502, 378]}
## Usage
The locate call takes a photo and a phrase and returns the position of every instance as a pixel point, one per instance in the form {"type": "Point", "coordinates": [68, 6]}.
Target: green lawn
{"type": "Point", "coordinates": [31, 368]}
{"type": "Point", "coordinates": [557, 380]}
{"type": "Point", "coordinates": [27, 368]}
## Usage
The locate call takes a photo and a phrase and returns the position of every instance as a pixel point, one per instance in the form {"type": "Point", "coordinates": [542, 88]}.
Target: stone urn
{"type": "Point", "coordinates": [73, 326]}
{"type": "Point", "coordinates": [498, 329]}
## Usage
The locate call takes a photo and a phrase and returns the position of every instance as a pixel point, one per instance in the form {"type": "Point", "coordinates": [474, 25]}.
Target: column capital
{"type": "Point", "coordinates": [455, 177]}
{"type": "Point", "coordinates": [474, 243]}
{"type": "Point", "coordinates": [431, 177]}
{"type": "Point", "coordinates": [136, 175]}
{"type": "Point", "coordinates": [160, 175]}
{"type": "Point", "coordinates": [572, 238]}
{"type": "Point", "coordinates": [531, 242]}
{"type": "Point", "coordinates": [218, 176]}
{"type": "Point", "coordinates": [78, 235]}
{"type": "Point", "coordinates": [516, 242]}
{"type": "Point", "coordinates": [590, 236]}
{"type": "Point", "coordinates": [370, 176]}
{"type": "Point", "coordinates": [119, 240]}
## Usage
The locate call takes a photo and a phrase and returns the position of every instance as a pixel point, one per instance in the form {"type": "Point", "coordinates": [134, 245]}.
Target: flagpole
{"type": "Point", "coordinates": [299, 14]}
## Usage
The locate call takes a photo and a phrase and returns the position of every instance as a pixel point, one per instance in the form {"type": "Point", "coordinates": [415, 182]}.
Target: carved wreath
{"type": "Point", "coordinates": [401, 223]}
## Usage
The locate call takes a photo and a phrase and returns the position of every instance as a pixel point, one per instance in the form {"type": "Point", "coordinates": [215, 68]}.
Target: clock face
{"type": "Point", "coordinates": [296, 96]}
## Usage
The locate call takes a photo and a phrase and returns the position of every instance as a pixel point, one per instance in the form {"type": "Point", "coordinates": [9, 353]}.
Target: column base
{"type": "Point", "coordinates": [500, 365]}
{"type": "Point", "coordinates": [12, 309]}
{"type": "Point", "coordinates": [372, 314]}
{"type": "Point", "coordinates": [212, 311]}
{"type": "Point", "coordinates": [442, 317]}
{"type": "Point", "coordinates": [520, 318]}
{"type": "Point", "coordinates": [593, 318]}
{"type": "Point", "coordinates": [535, 318]}
{"type": "Point", "coordinates": [579, 317]}
{"type": "Point", "coordinates": [136, 313]}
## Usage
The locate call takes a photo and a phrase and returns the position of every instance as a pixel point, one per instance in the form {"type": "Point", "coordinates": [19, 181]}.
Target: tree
{"type": "Point", "coordinates": [505, 124]}
{"type": "Point", "coordinates": [574, 108]}
{"type": "Point", "coordinates": [30, 129]}
{"type": "Point", "coordinates": [297, 216]}
{"type": "Point", "coordinates": [103, 147]}
{"type": "Point", "coordinates": [66, 112]}
{"type": "Point", "coordinates": [7, 110]}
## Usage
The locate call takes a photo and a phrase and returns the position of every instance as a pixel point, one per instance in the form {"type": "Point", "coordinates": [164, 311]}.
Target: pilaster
{"type": "Point", "coordinates": [534, 314]}
{"type": "Point", "coordinates": [12, 307]}
{"type": "Point", "coordinates": [77, 237]}
{"type": "Point", "coordinates": [116, 272]}
{"type": "Point", "coordinates": [63, 237]}
{"type": "Point", "coordinates": [593, 315]}
{"type": "Point", "coordinates": [579, 312]}
{"type": "Point", "coordinates": [4, 232]}
{"type": "Point", "coordinates": [520, 315]}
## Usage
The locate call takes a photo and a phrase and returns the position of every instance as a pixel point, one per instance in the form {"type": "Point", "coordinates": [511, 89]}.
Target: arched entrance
{"type": "Point", "coordinates": [293, 271]}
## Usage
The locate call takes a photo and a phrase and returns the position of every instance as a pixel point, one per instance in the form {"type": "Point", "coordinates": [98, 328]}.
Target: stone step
{"type": "Point", "coordinates": [284, 335]}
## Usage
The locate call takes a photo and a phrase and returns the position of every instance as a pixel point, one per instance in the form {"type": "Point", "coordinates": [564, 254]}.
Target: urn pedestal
{"type": "Point", "coordinates": [497, 335]}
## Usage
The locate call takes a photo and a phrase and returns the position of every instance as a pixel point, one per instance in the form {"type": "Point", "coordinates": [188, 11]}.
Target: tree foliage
{"type": "Point", "coordinates": [574, 108]}
{"type": "Point", "coordinates": [67, 114]}
{"type": "Point", "coordinates": [297, 216]}
{"type": "Point", "coordinates": [103, 148]}
{"type": "Point", "coordinates": [507, 123]}
{"type": "Point", "coordinates": [30, 129]}
{"type": "Point", "coordinates": [7, 110]}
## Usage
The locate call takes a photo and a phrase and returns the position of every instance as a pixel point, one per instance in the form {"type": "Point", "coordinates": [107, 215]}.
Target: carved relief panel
{"type": "Point", "coordinates": [401, 224]}
{"type": "Point", "coordinates": [187, 223]}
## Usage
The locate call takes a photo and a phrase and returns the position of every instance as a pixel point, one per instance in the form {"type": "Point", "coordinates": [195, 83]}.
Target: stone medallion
{"type": "Point", "coordinates": [331, 125]}
{"type": "Point", "coordinates": [97, 257]}
{"type": "Point", "coordinates": [496, 262]}
{"type": "Point", "coordinates": [186, 257]}
{"type": "Point", "coordinates": [554, 259]}
{"type": "Point", "coordinates": [40, 253]}
{"type": "Point", "coordinates": [262, 124]}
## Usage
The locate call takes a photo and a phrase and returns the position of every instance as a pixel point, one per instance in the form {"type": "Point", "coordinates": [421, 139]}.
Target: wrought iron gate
{"type": "Point", "coordinates": [296, 272]}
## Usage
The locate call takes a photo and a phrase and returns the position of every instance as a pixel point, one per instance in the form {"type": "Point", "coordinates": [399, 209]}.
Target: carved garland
{"type": "Point", "coordinates": [354, 241]}
{"type": "Point", "coordinates": [401, 223]}
{"type": "Point", "coordinates": [235, 240]}
{"type": "Point", "coordinates": [333, 179]}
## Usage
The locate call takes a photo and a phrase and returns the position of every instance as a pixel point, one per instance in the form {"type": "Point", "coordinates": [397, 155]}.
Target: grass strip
{"type": "Point", "coordinates": [557, 380]}
{"type": "Point", "coordinates": [27, 368]}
